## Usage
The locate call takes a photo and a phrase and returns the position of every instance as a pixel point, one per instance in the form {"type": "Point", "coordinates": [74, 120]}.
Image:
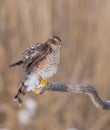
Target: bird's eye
{"type": "Point", "coordinates": [57, 42]}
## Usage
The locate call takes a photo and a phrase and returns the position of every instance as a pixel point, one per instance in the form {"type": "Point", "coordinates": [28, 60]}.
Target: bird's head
{"type": "Point", "coordinates": [55, 41]}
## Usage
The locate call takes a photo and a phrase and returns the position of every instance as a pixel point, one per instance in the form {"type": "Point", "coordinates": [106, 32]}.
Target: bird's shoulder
{"type": "Point", "coordinates": [33, 50]}
{"type": "Point", "coordinates": [36, 49]}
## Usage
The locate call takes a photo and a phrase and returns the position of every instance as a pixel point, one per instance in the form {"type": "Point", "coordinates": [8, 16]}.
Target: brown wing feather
{"type": "Point", "coordinates": [33, 55]}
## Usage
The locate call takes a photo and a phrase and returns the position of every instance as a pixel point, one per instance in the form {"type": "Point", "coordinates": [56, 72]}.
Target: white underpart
{"type": "Point", "coordinates": [32, 81]}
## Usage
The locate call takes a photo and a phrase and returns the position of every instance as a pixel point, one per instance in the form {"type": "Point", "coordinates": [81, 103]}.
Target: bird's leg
{"type": "Point", "coordinates": [43, 85]}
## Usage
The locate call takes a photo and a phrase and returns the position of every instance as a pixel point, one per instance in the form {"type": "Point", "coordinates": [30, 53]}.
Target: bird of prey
{"type": "Point", "coordinates": [40, 62]}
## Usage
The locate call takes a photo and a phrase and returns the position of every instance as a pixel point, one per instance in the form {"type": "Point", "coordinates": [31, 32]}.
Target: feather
{"type": "Point", "coordinates": [21, 91]}
{"type": "Point", "coordinates": [28, 83]}
{"type": "Point", "coordinates": [16, 63]}
{"type": "Point", "coordinates": [33, 55]}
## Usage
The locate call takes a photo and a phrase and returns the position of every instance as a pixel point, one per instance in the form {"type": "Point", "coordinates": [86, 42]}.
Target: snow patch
{"type": "Point", "coordinates": [25, 115]}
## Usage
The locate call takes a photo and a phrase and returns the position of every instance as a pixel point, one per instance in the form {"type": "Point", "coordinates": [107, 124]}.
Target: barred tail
{"type": "Point", "coordinates": [20, 94]}
{"type": "Point", "coordinates": [17, 63]}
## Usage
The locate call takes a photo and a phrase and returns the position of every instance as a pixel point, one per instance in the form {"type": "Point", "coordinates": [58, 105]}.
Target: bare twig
{"type": "Point", "coordinates": [84, 89]}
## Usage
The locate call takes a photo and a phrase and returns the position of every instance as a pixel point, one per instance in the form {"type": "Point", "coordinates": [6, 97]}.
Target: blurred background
{"type": "Point", "coordinates": [84, 27]}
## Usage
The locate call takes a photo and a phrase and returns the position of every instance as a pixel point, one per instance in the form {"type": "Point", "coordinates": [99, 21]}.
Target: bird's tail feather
{"type": "Point", "coordinates": [21, 93]}
{"type": "Point", "coordinates": [16, 63]}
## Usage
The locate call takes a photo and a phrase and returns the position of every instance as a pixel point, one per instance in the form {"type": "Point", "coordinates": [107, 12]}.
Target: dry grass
{"type": "Point", "coordinates": [85, 30]}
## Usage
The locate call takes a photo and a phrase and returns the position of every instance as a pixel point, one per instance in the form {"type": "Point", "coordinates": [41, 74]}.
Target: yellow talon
{"type": "Point", "coordinates": [47, 86]}
{"type": "Point", "coordinates": [45, 83]}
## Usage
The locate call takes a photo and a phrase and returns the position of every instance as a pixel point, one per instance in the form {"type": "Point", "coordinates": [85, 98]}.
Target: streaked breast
{"type": "Point", "coordinates": [48, 67]}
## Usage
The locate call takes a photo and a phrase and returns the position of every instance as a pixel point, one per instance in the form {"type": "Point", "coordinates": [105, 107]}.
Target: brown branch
{"type": "Point", "coordinates": [84, 89]}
